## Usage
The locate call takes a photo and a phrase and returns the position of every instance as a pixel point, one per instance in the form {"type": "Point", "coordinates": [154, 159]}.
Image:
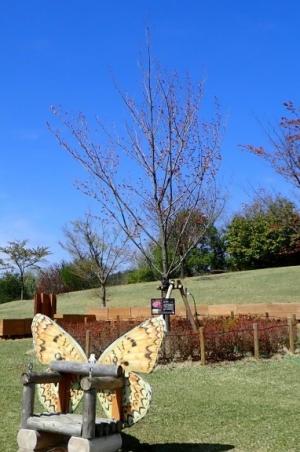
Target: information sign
{"type": "Point", "coordinates": [162, 306]}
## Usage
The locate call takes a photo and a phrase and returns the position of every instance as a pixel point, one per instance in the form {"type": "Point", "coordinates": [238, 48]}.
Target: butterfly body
{"type": "Point", "coordinates": [135, 351]}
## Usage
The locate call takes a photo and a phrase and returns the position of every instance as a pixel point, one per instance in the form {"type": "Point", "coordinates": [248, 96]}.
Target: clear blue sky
{"type": "Point", "coordinates": [63, 52]}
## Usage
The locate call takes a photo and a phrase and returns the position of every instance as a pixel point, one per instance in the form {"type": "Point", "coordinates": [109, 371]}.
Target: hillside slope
{"type": "Point", "coordinates": [273, 285]}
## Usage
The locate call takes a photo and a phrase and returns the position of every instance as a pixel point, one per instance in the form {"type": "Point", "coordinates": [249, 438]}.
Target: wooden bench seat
{"type": "Point", "coordinates": [71, 424]}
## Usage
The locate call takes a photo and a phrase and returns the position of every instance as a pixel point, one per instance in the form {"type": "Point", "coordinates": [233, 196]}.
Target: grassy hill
{"type": "Point", "coordinates": [273, 285]}
{"type": "Point", "coordinates": [245, 406]}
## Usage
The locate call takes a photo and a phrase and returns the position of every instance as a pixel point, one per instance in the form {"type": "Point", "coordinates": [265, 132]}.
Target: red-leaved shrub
{"type": "Point", "coordinates": [226, 338]}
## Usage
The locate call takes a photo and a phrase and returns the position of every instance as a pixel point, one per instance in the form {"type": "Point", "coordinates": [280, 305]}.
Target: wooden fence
{"type": "Point", "coordinates": [15, 327]}
{"type": "Point", "coordinates": [280, 310]}
{"type": "Point", "coordinates": [45, 303]}
{"type": "Point", "coordinates": [260, 337]}
{"type": "Point", "coordinates": [291, 342]}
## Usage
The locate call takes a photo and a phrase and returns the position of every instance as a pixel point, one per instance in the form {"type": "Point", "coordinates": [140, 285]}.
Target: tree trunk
{"type": "Point", "coordinates": [164, 256]}
{"type": "Point", "coordinates": [22, 287]}
{"type": "Point", "coordinates": [103, 294]}
{"type": "Point", "coordinates": [182, 270]}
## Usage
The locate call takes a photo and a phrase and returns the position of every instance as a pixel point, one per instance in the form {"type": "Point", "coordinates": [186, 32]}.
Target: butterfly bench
{"type": "Point", "coordinates": [78, 433]}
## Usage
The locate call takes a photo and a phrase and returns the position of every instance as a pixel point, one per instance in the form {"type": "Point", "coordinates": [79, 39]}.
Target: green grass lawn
{"type": "Point", "coordinates": [276, 285]}
{"type": "Point", "coordinates": [244, 406]}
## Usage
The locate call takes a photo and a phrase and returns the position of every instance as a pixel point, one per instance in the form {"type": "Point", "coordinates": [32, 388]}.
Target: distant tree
{"type": "Point", "coordinates": [50, 280]}
{"type": "Point", "coordinates": [208, 255]}
{"type": "Point", "coordinates": [30, 285]}
{"type": "Point", "coordinates": [74, 279]}
{"type": "Point", "coordinates": [96, 249]}
{"type": "Point", "coordinates": [9, 287]}
{"type": "Point", "coordinates": [23, 258]}
{"type": "Point", "coordinates": [284, 152]}
{"type": "Point", "coordinates": [266, 233]}
{"type": "Point", "coordinates": [64, 277]}
{"type": "Point", "coordinates": [174, 154]}
{"type": "Point", "coordinates": [141, 274]}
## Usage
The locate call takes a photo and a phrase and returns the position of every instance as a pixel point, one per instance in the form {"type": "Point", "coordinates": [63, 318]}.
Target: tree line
{"type": "Point", "coordinates": [265, 233]}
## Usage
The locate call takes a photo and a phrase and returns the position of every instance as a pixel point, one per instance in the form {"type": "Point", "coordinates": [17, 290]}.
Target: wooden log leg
{"type": "Point", "coordinates": [89, 414]}
{"type": "Point", "coordinates": [109, 443]}
{"type": "Point", "coordinates": [52, 449]}
{"type": "Point", "coordinates": [31, 440]}
{"type": "Point", "coordinates": [27, 403]}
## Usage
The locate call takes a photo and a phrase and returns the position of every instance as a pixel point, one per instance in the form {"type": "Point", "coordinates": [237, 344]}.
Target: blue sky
{"type": "Point", "coordinates": [64, 52]}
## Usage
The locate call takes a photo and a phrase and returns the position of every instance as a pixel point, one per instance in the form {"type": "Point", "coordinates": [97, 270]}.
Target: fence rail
{"type": "Point", "coordinates": [275, 310]}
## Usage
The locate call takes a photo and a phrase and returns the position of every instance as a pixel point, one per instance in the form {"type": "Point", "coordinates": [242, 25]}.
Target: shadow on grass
{"type": "Point", "coordinates": [131, 444]}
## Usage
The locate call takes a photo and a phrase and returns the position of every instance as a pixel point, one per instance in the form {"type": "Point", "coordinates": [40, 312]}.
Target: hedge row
{"type": "Point", "coordinates": [226, 338]}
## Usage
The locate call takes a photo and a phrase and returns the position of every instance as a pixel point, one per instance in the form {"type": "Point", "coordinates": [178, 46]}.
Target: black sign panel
{"type": "Point", "coordinates": [168, 306]}
{"type": "Point", "coordinates": [162, 306]}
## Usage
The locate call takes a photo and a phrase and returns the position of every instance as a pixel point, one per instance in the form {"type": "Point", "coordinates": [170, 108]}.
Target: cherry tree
{"type": "Point", "coordinates": [165, 161]}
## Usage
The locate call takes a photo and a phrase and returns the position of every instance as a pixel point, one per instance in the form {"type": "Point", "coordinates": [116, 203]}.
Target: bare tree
{"type": "Point", "coordinates": [22, 257]}
{"type": "Point", "coordinates": [97, 250]}
{"type": "Point", "coordinates": [284, 154]}
{"type": "Point", "coordinates": [171, 154]}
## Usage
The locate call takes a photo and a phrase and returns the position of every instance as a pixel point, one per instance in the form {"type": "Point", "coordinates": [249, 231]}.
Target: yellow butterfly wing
{"type": "Point", "coordinates": [135, 351]}
{"type": "Point", "coordinates": [48, 396]}
{"type": "Point", "coordinates": [51, 342]}
{"type": "Point", "coordinates": [136, 399]}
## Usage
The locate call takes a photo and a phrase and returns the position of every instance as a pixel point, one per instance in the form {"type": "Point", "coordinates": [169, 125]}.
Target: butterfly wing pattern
{"type": "Point", "coordinates": [136, 351]}
{"type": "Point", "coordinates": [136, 399]}
{"type": "Point", "coordinates": [51, 342]}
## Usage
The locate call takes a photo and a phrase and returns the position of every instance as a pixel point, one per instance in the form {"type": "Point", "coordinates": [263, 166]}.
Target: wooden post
{"type": "Point", "coordinates": [46, 304]}
{"type": "Point", "coordinates": [53, 302]}
{"type": "Point", "coordinates": [64, 393]}
{"type": "Point", "coordinates": [256, 341]}
{"type": "Point", "coordinates": [167, 348]}
{"type": "Point", "coordinates": [118, 326]}
{"type": "Point", "coordinates": [202, 345]}
{"type": "Point", "coordinates": [37, 304]}
{"type": "Point", "coordinates": [88, 343]}
{"type": "Point", "coordinates": [291, 335]}
{"type": "Point", "coordinates": [89, 414]}
{"type": "Point", "coordinates": [267, 315]}
{"type": "Point", "coordinates": [187, 307]}
{"type": "Point", "coordinates": [27, 403]}
{"type": "Point", "coordinates": [232, 314]}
